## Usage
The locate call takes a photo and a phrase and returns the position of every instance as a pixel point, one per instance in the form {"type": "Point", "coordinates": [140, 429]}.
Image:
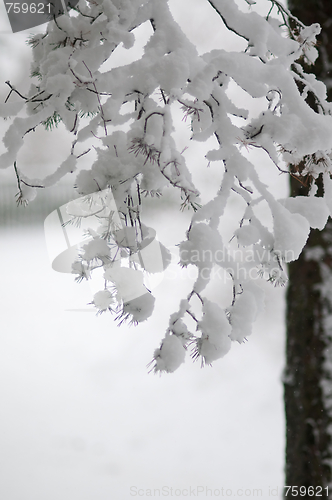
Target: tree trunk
{"type": "Point", "coordinates": [307, 381]}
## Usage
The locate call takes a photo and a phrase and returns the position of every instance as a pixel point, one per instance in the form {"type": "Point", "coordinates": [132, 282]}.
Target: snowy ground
{"type": "Point", "coordinates": [82, 419]}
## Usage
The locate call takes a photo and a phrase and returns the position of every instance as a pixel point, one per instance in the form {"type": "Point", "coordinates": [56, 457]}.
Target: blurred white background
{"type": "Point", "coordinates": [80, 417]}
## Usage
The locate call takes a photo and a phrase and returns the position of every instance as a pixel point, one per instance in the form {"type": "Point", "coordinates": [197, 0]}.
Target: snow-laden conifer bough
{"type": "Point", "coordinates": [70, 88]}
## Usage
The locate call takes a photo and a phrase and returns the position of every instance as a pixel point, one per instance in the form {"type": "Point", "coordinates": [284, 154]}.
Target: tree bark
{"type": "Point", "coordinates": [307, 380]}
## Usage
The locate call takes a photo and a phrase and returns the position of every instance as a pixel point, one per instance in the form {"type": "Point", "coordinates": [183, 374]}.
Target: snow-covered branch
{"type": "Point", "coordinates": [131, 112]}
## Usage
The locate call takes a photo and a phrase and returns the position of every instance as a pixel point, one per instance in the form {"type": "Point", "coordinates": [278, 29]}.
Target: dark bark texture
{"type": "Point", "coordinates": [308, 436]}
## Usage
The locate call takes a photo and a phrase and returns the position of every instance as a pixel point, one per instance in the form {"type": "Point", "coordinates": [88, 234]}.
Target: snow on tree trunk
{"type": "Point", "coordinates": [308, 374]}
{"type": "Point", "coordinates": [126, 117]}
